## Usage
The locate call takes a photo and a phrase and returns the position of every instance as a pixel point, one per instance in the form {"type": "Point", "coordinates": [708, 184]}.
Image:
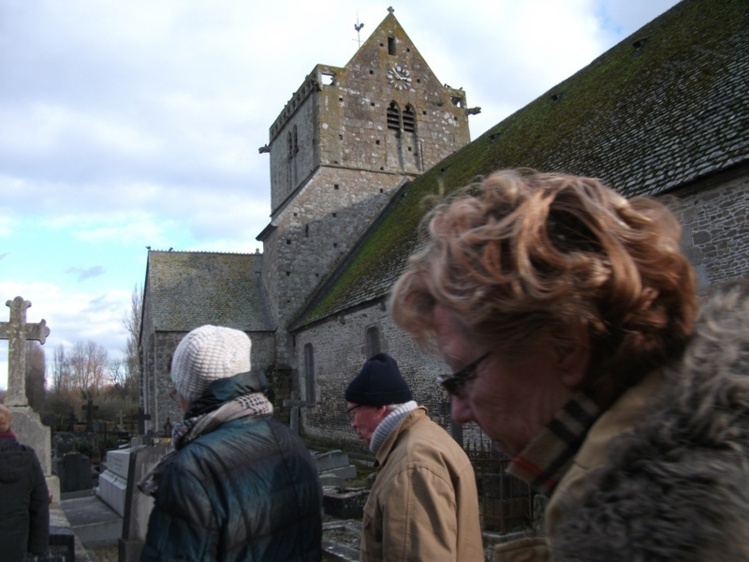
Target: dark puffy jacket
{"type": "Point", "coordinates": [24, 502]}
{"type": "Point", "coordinates": [247, 490]}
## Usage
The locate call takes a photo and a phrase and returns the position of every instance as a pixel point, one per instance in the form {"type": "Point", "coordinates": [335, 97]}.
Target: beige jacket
{"type": "Point", "coordinates": [423, 504]}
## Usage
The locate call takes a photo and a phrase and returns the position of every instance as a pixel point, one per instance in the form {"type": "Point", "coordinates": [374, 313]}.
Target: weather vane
{"type": "Point", "coordinates": [357, 27]}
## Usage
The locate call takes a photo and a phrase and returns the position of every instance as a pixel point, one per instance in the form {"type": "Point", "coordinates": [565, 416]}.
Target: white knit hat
{"type": "Point", "coordinates": [207, 354]}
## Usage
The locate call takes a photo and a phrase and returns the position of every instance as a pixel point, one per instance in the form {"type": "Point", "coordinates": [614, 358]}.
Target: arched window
{"type": "Point", "coordinates": [394, 116]}
{"type": "Point", "coordinates": [373, 341]}
{"type": "Point", "coordinates": [309, 373]}
{"type": "Point", "coordinates": [289, 145]}
{"type": "Point", "coordinates": [296, 140]}
{"type": "Point", "coordinates": [409, 119]}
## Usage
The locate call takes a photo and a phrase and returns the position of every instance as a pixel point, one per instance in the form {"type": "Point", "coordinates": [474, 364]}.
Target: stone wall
{"type": "Point", "coordinates": [316, 230]}
{"type": "Point", "coordinates": [340, 349]}
{"type": "Point", "coordinates": [294, 153]}
{"type": "Point", "coordinates": [716, 230]}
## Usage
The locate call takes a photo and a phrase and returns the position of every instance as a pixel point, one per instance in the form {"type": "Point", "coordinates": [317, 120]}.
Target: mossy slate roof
{"type": "Point", "coordinates": [189, 289]}
{"type": "Point", "coordinates": [666, 107]}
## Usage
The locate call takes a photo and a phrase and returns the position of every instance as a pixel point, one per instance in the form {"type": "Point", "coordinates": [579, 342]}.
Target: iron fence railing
{"type": "Point", "coordinates": [505, 502]}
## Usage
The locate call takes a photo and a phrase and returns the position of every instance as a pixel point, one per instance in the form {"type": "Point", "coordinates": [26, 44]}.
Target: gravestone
{"type": "Point", "coordinates": [27, 425]}
{"type": "Point", "coordinates": [138, 505]}
{"type": "Point", "coordinates": [18, 332]}
{"type": "Point", "coordinates": [113, 481]}
{"type": "Point", "coordinates": [63, 442]}
{"type": "Point", "coordinates": [74, 472]}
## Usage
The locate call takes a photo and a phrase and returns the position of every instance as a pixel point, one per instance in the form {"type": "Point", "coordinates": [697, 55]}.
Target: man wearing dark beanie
{"type": "Point", "coordinates": [423, 504]}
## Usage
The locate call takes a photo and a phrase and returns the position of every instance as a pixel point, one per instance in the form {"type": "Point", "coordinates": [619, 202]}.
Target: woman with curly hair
{"type": "Point", "coordinates": [569, 317]}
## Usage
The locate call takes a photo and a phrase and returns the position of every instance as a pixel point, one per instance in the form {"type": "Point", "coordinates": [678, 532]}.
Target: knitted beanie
{"type": "Point", "coordinates": [379, 383]}
{"type": "Point", "coordinates": [207, 354]}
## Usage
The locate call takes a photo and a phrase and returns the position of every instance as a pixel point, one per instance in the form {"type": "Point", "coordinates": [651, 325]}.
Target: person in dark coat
{"type": "Point", "coordinates": [239, 485]}
{"type": "Point", "coordinates": [24, 499]}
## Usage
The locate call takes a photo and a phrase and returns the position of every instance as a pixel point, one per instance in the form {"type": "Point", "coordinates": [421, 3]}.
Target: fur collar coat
{"type": "Point", "coordinates": [664, 474]}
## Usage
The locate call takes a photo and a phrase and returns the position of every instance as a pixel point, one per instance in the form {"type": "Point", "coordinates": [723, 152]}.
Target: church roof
{"type": "Point", "coordinates": [189, 289]}
{"type": "Point", "coordinates": [666, 107]}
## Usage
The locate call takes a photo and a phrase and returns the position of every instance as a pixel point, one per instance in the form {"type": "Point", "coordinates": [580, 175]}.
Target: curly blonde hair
{"type": "Point", "coordinates": [522, 254]}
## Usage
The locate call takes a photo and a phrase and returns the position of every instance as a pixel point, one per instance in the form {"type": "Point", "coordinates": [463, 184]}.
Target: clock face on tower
{"type": "Point", "coordinates": [399, 77]}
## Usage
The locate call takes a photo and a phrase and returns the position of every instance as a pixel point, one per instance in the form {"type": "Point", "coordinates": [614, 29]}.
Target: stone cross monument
{"type": "Point", "coordinates": [26, 423]}
{"type": "Point", "coordinates": [17, 332]}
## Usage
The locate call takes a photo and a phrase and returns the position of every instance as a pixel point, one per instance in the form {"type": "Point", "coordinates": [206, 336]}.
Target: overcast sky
{"type": "Point", "coordinates": [126, 124]}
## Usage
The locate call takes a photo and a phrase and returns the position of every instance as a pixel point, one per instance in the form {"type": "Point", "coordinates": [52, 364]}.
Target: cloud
{"type": "Point", "coordinates": [84, 274]}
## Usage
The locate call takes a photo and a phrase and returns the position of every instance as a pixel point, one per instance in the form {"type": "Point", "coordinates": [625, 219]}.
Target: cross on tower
{"type": "Point", "coordinates": [17, 332]}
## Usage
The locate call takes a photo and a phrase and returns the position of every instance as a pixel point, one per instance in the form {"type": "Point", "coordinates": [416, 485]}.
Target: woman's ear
{"type": "Point", "coordinates": [573, 356]}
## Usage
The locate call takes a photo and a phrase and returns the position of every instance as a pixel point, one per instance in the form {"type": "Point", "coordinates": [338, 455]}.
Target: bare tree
{"type": "Point", "coordinates": [88, 366]}
{"type": "Point", "coordinates": [132, 323]}
{"type": "Point", "coordinates": [61, 371]}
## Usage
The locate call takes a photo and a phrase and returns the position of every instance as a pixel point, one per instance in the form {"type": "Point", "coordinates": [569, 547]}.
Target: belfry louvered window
{"type": "Point", "coordinates": [409, 119]}
{"type": "Point", "coordinates": [394, 116]}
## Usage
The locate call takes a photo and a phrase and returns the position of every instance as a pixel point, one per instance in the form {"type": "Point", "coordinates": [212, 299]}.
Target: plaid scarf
{"type": "Point", "coordinates": [549, 455]}
{"type": "Point", "coordinates": [187, 431]}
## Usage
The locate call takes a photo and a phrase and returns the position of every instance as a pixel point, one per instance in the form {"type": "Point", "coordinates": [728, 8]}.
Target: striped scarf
{"type": "Point", "coordinates": [187, 431]}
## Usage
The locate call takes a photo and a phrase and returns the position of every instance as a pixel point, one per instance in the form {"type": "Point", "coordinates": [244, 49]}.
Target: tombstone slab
{"type": "Point", "coordinates": [113, 481]}
{"type": "Point", "coordinates": [74, 472]}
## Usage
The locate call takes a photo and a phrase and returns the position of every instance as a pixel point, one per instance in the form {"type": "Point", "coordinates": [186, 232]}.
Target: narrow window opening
{"type": "Point", "coordinates": [391, 45]}
{"type": "Point", "coordinates": [394, 116]}
{"type": "Point", "coordinates": [409, 119]}
{"type": "Point", "coordinates": [309, 372]}
{"type": "Point", "coordinates": [372, 337]}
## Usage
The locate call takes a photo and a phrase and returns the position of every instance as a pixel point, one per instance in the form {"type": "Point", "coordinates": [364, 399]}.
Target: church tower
{"type": "Point", "coordinates": [347, 139]}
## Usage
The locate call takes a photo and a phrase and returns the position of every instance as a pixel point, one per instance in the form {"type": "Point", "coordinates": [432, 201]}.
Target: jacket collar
{"type": "Point", "coordinates": [221, 391]}
{"type": "Point", "coordinates": [389, 444]}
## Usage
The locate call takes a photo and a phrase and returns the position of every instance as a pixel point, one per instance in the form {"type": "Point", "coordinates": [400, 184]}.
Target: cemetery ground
{"type": "Point", "coordinates": [109, 516]}
{"type": "Point", "coordinates": [110, 527]}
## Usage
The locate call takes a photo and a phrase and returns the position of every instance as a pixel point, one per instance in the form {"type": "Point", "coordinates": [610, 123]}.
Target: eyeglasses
{"type": "Point", "coordinates": [453, 384]}
{"type": "Point", "coordinates": [351, 412]}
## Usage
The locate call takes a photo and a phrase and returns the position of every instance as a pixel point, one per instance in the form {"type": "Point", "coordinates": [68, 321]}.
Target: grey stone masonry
{"type": "Point", "coordinates": [17, 332]}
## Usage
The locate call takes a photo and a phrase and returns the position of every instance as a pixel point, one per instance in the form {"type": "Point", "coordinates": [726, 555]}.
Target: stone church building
{"type": "Point", "coordinates": [356, 151]}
